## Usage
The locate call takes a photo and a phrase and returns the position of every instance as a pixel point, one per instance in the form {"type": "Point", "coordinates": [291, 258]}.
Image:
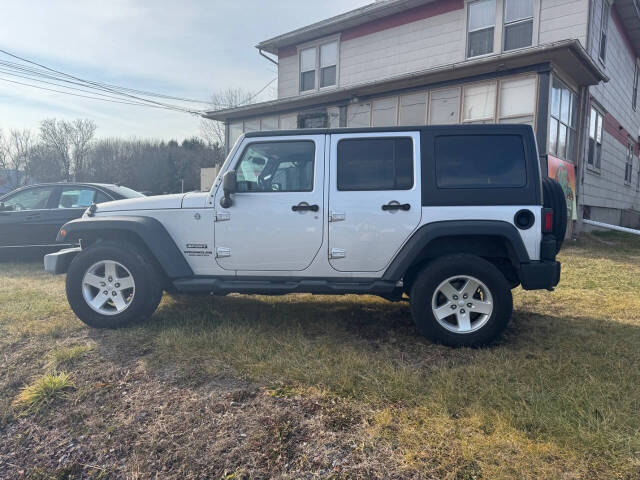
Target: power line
{"type": "Point", "coordinates": [99, 85]}
{"type": "Point", "coordinates": [114, 93]}
{"type": "Point", "coordinates": [78, 95]}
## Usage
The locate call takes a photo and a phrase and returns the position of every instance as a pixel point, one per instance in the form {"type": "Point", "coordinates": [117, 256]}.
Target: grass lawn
{"type": "Point", "coordinates": [303, 386]}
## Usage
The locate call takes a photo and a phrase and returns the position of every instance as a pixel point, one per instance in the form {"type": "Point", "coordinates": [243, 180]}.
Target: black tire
{"type": "Point", "coordinates": [148, 289]}
{"type": "Point", "coordinates": [443, 268]}
{"type": "Point", "coordinates": [554, 198]}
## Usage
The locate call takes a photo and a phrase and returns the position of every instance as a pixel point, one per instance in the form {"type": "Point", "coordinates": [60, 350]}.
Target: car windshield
{"type": "Point", "coordinates": [126, 192]}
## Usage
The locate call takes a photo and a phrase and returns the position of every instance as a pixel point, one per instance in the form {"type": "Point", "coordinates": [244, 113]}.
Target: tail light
{"type": "Point", "coordinates": [547, 220]}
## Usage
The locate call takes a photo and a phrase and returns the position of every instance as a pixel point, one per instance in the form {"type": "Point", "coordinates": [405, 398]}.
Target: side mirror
{"type": "Point", "coordinates": [228, 187]}
{"type": "Point", "coordinates": [2, 207]}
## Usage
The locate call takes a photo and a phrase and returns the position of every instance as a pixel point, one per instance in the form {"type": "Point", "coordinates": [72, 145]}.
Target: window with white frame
{"type": "Point", "coordinates": [518, 24]}
{"type": "Point", "coordinates": [518, 100]}
{"type": "Point", "coordinates": [318, 66]}
{"type": "Point", "coordinates": [604, 26]}
{"type": "Point", "coordinates": [628, 168]}
{"type": "Point", "coordinates": [479, 103]}
{"type": "Point", "coordinates": [308, 69]}
{"type": "Point", "coordinates": [634, 94]}
{"type": "Point", "coordinates": [481, 22]}
{"type": "Point", "coordinates": [562, 122]}
{"type": "Point", "coordinates": [594, 154]}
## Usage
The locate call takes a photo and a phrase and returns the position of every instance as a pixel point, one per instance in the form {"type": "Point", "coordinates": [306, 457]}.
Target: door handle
{"type": "Point", "coordinates": [32, 216]}
{"type": "Point", "coordinates": [396, 206]}
{"type": "Point", "coordinates": [303, 207]}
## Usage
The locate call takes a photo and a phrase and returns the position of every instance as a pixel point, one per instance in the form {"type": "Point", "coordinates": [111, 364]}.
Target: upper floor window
{"type": "Point", "coordinates": [318, 66]}
{"type": "Point", "coordinates": [594, 155]}
{"type": "Point", "coordinates": [518, 24]}
{"type": "Point", "coordinates": [481, 24]}
{"type": "Point", "coordinates": [634, 94]}
{"type": "Point", "coordinates": [604, 25]}
{"type": "Point", "coordinates": [562, 124]}
{"type": "Point", "coordinates": [628, 168]}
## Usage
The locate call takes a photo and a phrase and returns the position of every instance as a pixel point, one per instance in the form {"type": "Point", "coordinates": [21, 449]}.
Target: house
{"type": "Point", "coordinates": [569, 68]}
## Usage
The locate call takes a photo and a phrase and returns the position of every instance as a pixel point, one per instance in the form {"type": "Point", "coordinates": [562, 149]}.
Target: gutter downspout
{"type": "Point", "coordinates": [262, 54]}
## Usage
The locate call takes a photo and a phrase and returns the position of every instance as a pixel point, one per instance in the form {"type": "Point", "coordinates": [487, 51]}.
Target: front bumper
{"type": "Point", "coordinates": [58, 262]}
{"type": "Point", "coordinates": [539, 275]}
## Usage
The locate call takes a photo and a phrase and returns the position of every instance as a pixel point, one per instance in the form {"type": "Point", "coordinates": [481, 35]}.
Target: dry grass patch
{"type": "Point", "coordinates": [66, 356]}
{"type": "Point", "coordinates": [341, 385]}
{"type": "Point", "coordinates": [43, 392]}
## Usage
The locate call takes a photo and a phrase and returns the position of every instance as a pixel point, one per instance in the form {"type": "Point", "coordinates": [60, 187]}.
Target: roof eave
{"type": "Point", "coordinates": [338, 23]}
{"type": "Point", "coordinates": [569, 55]}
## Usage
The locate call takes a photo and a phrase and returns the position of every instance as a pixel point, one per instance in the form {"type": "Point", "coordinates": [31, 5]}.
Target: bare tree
{"type": "Point", "coordinates": [81, 133]}
{"type": "Point", "coordinates": [213, 131]}
{"type": "Point", "coordinates": [70, 141]}
{"type": "Point", "coordinates": [54, 135]}
{"type": "Point", "coordinates": [16, 150]}
{"type": "Point", "coordinates": [3, 152]}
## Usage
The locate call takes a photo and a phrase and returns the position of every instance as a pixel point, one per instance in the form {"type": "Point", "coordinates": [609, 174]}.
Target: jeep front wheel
{"type": "Point", "coordinates": [110, 285]}
{"type": "Point", "coordinates": [461, 300]}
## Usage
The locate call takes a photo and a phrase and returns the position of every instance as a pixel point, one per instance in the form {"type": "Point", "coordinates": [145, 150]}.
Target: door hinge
{"type": "Point", "coordinates": [336, 217]}
{"type": "Point", "coordinates": [223, 252]}
{"type": "Point", "coordinates": [337, 253]}
{"type": "Point", "coordinates": [222, 216]}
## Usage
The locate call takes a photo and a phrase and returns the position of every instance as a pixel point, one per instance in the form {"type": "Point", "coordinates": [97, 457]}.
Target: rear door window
{"type": "Point", "coordinates": [375, 164]}
{"type": "Point", "coordinates": [76, 197]}
{"type": "Point", "coordinates": [480, 161]}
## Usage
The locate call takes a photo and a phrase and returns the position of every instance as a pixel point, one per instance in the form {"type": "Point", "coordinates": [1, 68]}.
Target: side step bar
{"type": "Point", "coordinates": [271, 286]}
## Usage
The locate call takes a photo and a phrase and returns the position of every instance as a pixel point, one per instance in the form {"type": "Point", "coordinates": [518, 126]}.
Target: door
{"type": "Point", "coordinates": [24, 216]}
{"type": "Point", "coordinates": [374, 198]}
{"type": "Point", "coordinates": [275, 221]}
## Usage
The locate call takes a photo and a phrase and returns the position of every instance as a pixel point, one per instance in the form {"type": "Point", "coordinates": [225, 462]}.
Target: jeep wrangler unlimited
{"type": "Point", "coordinates": [452, 217]}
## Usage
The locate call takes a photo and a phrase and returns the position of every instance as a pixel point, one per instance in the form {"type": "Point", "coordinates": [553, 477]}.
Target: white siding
{"type": "Point", "coordinates": [406, 48]}
{"type": "Point", "coordinates": [288, 76]}
{"type": "Point", "coordinates": [563, 19]}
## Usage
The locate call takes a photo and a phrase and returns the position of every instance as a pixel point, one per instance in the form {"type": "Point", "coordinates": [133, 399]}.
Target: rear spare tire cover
{"type": "Point", "coordinates": [554, 198]}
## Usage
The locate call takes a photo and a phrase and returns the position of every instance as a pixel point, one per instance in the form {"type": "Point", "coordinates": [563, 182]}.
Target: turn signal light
{"type": "Point", "coordinates": [63, 233]}
{"type": "Point", "coordinates": [547, 220]}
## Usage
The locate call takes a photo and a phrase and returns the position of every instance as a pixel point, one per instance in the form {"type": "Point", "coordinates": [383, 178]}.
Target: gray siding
{"type": "Point", "coordinates": [607, 188]}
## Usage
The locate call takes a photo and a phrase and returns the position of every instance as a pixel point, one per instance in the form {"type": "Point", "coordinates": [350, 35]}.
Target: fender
{"type": "Point", "coordinates": [460, 228]}
{"type": "Point", "coordinates": [148, 229]}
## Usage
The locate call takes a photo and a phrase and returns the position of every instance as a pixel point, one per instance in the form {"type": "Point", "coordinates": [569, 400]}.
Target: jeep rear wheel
{"type": "Point", "coordinates": [461, 300]}
{"type": "Point", "coordinates": [111, 284]}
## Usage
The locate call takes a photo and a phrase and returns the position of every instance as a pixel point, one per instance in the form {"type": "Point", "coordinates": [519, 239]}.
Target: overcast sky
{"type": "Point", "coordinates": [181, 48]}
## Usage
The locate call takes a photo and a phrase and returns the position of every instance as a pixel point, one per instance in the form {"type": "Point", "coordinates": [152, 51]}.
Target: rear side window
{"type": "Point", "coordinates": [76, 197]}
{"type": "Point", "coordinates": [375, 164]}
{"type": "Point", "coordinates": [480, 161]}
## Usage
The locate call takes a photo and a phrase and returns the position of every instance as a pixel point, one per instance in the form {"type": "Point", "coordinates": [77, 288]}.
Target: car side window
{"type": "Point", "coordinates": [480, 161]}
{"type": "Point", "coordinates": [30, 199]}
{"type": "Point", "coordinates": [76, 197]}
{"type": "Point", "coordinates": [102, 197]}
{"type": "Point", "coordinates": [375, 164]}
{"type": "Point", "coordinates": [276, 167]}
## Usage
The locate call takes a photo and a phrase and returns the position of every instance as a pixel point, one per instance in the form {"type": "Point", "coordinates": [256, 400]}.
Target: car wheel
{"type": "Point", "coordinates": [461, 300]}
{"type": "Point", "coordinates": [112, 284]}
